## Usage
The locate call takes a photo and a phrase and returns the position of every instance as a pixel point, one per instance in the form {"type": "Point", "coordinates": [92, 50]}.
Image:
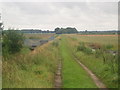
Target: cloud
{"type": "Point", "coordinates": [49, 15]}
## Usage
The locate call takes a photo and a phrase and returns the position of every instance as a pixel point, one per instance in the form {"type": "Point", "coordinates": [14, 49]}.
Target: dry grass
{"type": "Point", "coordinates": [98, 39]}
{"type": "Point", "coordinates": [33, 70]}
{"type": "Point", "coordinates": [38, 36]}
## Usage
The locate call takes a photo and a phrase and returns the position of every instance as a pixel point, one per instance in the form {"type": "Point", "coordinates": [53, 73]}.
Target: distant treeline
{"type": "Point", "coordinates": [99, 32]}
{"type": "Point", "coordinates": [67, 30]}
{"type": "Point", "coordinates": [35, 31]}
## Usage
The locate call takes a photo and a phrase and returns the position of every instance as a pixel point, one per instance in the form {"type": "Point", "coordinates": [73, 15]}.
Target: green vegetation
{"type": "Point", "coordinates": [103, 64]}
{"type": "Point", "coordinates": [26, 69]}
{"type": "Point", "coordinates": [83, 48]}
{"type": "Point", "coordinates": [101, 40]}
{"type": "Point", "coordinates": [104, 71]}
{"type": "Point", "coordinates": [24, 50]}
{"type": "Point", "coordinates": [33, 70]}
{"type": "Point", "coordinates": [12, 42]}
{"type": "Point", "coordinates": [73, 75]}
{"type": "Point", "coordinates": [36, 69]}
{"type": "Point", "coordinates": [67, 30]}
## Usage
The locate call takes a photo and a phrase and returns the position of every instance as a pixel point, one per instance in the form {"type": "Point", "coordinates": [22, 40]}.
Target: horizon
{"type": "Point", "coordinates": [54, 29]}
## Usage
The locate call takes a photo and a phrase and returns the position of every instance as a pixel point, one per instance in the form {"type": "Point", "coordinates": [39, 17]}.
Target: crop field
{"type": "Point", "coordinates": [38, 36]}
{"type": "Point", "coordinates": [37, 68]}
{"type": "Point", "coordinates": [100, 39]}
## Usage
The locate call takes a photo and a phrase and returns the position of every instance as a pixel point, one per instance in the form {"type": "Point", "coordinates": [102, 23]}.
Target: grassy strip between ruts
{"type": "Point", "coordinates": [73, 75]}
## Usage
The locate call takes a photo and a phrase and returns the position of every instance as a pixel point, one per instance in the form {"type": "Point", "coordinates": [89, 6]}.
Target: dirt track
{"type": "Point", "coordinates": [58, 78]}
{"type": "Point", "coordinates": [97, 81]}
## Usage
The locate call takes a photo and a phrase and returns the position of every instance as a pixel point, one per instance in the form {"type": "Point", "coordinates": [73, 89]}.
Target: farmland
{"type": "Point", "coordinates": [38, 36]}
{"type": "Point", "coordinates": [94, 60]}
{"type": "Point", "coordinates": [36, 69]}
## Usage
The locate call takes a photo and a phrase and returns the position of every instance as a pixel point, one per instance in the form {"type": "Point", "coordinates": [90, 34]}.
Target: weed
{"type": "Point", "coordinates": [83, 48]}
{"type": "Point", "coordinates": [38, 72]}
{"type": "Point", "coordinates": [109, 46]}
{"type": "Point", "coordinates": [55, 43]}
{"type": "Point", "coordinates": [102, 63]}
{"type": "Point", "coordinates": [36, 67]}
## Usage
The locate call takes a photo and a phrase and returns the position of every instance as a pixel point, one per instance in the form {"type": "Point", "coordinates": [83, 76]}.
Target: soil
{"type": "Point", "coordinates": [58, 76]}
{"type": "Point", "coordinates": [96, 80]}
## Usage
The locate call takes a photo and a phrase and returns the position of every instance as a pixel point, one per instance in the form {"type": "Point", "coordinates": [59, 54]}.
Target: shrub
{"type": "Point", "coordinates": [98, 53]}
{"type": "Point", "coordinates": [12, 42]}
{"type": "Point", "coordinates": [83, 48]}
{"type": "Point", "coordinates": [109, 46]}
{"type": "Point", "coordinates": [88, 51]}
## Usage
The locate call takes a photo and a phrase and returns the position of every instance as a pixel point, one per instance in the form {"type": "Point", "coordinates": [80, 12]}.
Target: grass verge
{"type": "Point", "coordinates": [73, 75]}
{"type": "Point", "coordinates": [32, 70]}
{"type": "Point", "coordinates": [106, 70]}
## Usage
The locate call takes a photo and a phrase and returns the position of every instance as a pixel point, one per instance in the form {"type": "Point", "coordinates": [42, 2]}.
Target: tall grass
{"type": "Point", "coordinates": [33, 70]}
{"type": "Point", "coordinates": [38, 36]}
{"type": "Point", "coordinates": [111, 41]}
{"type": "Point", "coordinates": [73, 75]}
{"type": "Point", "coordinates": [103, 64]}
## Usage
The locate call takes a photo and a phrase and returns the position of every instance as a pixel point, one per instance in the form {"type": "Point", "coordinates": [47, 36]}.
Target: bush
{"type": "Point", "coordinates": [83, 48]}
{"type": "Point", "coordinates": [88, 51]}
{"type": "Point", "coordinates": [12, 42]}
{"type": "Point", "coordinates": [109, 46]}
{"type": "Point", "coordinates": [98, 53]}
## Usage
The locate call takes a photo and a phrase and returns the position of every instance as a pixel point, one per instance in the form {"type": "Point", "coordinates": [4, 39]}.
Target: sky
{"type": "Point", "coordinates": [49, 15]}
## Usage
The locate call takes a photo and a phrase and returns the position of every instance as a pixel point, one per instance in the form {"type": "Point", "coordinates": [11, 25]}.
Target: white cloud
{"type": "Point", "coordinates": [49, 15]}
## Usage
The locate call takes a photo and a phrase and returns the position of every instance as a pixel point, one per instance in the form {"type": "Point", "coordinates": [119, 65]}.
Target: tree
{"type": "Point", "coordinates": [12, 42]}
{"type": "Point", "coordinates": [1, 23]}
{"type": "Point", "coordinates": [67, 30]}
{"type": "Point", "coordinates": [1, 26]}
{"type": "Point", "coordinates": [57, 29]}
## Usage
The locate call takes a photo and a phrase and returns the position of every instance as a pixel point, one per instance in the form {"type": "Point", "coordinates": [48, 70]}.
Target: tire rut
{"type": "Point", "coordinates": [58, 76]}
{"type": "Point", "coordinates": [96, 80]}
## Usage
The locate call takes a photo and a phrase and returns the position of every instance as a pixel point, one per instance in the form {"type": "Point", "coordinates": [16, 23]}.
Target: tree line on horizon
{"type": "Point", "coordinates": [67, 30]}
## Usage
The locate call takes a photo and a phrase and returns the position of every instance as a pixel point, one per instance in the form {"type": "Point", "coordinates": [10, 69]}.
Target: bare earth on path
{"type": "Point", "coordinates": [97, 81]}
{"type": "Point", "coordinates": [58, 78]}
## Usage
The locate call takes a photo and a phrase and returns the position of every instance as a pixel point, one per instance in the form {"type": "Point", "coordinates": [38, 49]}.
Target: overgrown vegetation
{"type": "Point", "coordinates": [55, 43]}
{"type": "Point", "coordinates": [102, 60]}
{"type": "Point", "coordinates": [12, 42]}
{"type": "Point", "coordinates": [27, 69]}
{"type": "Point", "coordinates": [35, 69]}
{"type": "Point", "coordinates": [73, 75]}
{"type": "Point", "coordinates": [83, 48]}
